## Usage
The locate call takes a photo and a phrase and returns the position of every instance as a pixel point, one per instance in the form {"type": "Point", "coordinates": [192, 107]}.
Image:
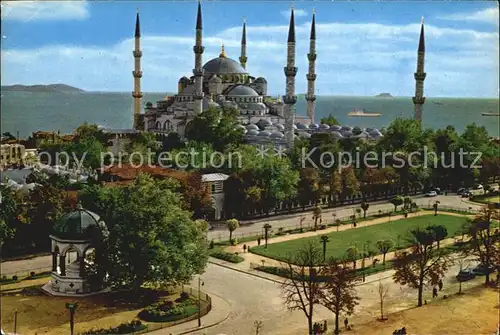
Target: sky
{"type": "Point", "coordinates": [363, 48]}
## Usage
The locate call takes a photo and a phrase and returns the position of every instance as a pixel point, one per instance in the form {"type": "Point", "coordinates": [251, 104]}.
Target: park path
{"type": "Point", "coordinates": [252, 259]}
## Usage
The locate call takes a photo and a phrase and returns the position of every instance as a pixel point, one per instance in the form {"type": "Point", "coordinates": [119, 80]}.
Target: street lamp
{"type": "Point", "coordinates": [72, 309]}
{"type": "Point", "coordinates": [324, 240]}
{"type": "Point", "coordinates": [200, 283]}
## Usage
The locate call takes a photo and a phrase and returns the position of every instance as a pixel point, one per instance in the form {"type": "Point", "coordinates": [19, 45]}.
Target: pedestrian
{"type": "Point", "coordinates": [244, 248]}
{"type": "Point", "coordinates": [346, 322]}
{"type": "Point", "coordinates": [325, 326]}
{"type": "Point", "coordinates": [440, 284]}
{"type": "Point", "coordinates": [434, 292]}
{"type": "Point", "coordinates": [258, 241]}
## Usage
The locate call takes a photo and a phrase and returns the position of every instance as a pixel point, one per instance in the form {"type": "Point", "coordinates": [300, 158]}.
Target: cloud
{"type": "Point", "coordinates": [44, 10]}
{"type": "Point", "coordinates": [297, 13]}
{"type": "Point", "coordinates": [488, 15]}
{"type": "Point", "coordinates": [353, 59]}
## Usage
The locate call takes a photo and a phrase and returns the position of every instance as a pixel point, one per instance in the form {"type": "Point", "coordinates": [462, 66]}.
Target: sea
{"type": "Point", "coordinates": [28, 112]}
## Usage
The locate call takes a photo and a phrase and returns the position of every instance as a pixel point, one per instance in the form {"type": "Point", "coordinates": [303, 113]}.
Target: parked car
{"type": "Point", "coordinates": [431, 194]}
{"type": "Point", "coordinates": [482, 270]}
{"type": "Point", "coordinates": [466, 194]}
{"type": "Point", "coordinates": [465, 275]}
{"type": "Point", "coordinates": [437, 190]}
{"type": "Point", "coordinates": [478, 187]}
{"type": "Point", "coordinates": [461, 191]}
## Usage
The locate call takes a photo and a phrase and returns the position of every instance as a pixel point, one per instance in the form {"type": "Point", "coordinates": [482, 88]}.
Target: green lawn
{"type": "Point", "coordinates": [339, 242]}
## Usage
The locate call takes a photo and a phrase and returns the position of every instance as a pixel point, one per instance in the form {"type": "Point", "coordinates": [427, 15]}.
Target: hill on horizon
{"type": "Point", "coordinates": [41, 88]}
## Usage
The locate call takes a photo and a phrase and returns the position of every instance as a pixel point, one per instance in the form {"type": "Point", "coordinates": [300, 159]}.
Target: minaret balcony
{"type": "Point", "coordinates": [198, 72]}
{"type": "Point", "coordinates": [290, 71]}
{"type": "Point", "coordinates": [311, 76]}
{"type": "Point", "coordinates": [420, 75]}
{"type": "Point", "coordinates": [289, 99]}
{"type": "Point", "coordinates": [418, 100]}
{"type": "Point", "coordinates": [137, 94]}
{"type": "Point", "coordinates": [310, 97]}
{"type": "Point", "coordinates": [312, 57]}
{"type": "Point", "coordinates": [137, 74]}
{"type": "Point", "coordinates": [198, 49]}
{"type": "Point", "coordinates": [137, 53]}
{"type": "Point", "coordinates": [243, 59]}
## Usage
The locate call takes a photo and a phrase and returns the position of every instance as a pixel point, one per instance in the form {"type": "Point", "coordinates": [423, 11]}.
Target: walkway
{"type": "Point", "coordinates": [251, 258]}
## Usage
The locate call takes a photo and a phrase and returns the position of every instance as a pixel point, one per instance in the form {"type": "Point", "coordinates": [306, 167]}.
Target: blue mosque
{"type": "Point", "coordinates": [225, 82]}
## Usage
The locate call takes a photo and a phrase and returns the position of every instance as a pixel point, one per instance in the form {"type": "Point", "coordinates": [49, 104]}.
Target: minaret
{"type": "Point", "coordinates": [243, 57]}
{"type": "Point", "coordinates": [419, 99]}
{"type": "Point", "coordinates": [290, 71]}
{"type": "Point", "coordinates": [198, 67]}
{"type": "Point", "coordinates": [311, 76]}
{"type": "Point", "coordinates": [137, 73]}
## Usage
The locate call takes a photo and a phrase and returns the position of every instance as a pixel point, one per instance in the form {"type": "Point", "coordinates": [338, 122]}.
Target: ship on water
{"type": "Point", "coordinates": [362, 113]}
{"type": "Point", "coordinates": [490, 113]}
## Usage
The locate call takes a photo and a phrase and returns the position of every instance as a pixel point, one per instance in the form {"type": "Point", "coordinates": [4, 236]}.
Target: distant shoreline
{"type": "Point", "coordinates": [7, 88]}
{"type": "Point", "coordinates": [51, 88]}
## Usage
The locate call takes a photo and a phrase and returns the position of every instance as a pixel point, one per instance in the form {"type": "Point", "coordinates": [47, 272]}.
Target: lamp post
{"type": "Point", "coordinates": [200, 283]}
{"type": "Point", "coordinates": [72, 309]}
{"type": "Point", "coordinates": [324, 240]}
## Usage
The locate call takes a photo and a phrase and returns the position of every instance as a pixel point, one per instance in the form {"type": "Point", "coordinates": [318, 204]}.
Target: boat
{"type": "Point", "coordinates": [362, 113]}
{"type": "Point", "coordinates": [490, 114]}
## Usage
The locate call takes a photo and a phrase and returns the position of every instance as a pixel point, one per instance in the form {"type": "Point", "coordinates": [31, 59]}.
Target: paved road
{"type": "Point", "coordinates": [247, 229]}
{"type": "Point", "coordinates": [44, 262]}
{"type": "Point", "coordinates": [254, 299]}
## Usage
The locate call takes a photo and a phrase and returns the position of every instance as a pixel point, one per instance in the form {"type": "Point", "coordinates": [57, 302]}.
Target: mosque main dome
{"type": "Point", "coordinates": [223, 65]}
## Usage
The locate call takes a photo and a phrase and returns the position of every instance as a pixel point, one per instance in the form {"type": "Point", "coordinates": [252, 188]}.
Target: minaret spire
{"type": "Point", "coordinates": [419, 99]}
{"type": "Point", "coordinates": [243, 57]}
{"type": "Point", "coordinates": [137, 73]}
{"type": "Point", "coordinates": [290, 71]}
{"type": "Point", "coordinates": [198, 69]}
{"type": "Point", "coordinates": [311, 76]}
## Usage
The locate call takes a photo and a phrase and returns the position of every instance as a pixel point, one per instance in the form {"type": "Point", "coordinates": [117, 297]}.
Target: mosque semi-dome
{"type": "Point", "coordinates": [242, 90]}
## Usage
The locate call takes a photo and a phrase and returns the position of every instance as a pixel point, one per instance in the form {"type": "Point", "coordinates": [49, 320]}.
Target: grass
{"type": "Point", "coordinates": [340, 241]}
{"type": "Point", "coordinates": [487, 200]}
{"type": "Point", "coordinates": [38, 312]}
{"type": "Point", "coordinates": [443, 316]}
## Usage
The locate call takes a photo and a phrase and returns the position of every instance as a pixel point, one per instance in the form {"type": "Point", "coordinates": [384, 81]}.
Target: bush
{"type": "Point", "coordinates": [124, 328]}
{"type": "Point", "coordinates": [234, 242]}
{"type": "Point", "coordinates": [32, 273]}
{"type": "Point", "coordinates": [212, 244]}
{"type": "Point", "coordinates": [226, 256]}
{"type": "Point", "coordinates": [184, 296]}
{"type": "Point", "coordinates": [166, 311]}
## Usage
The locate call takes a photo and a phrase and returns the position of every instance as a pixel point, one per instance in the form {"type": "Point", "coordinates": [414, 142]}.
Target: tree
{"type": "Point", "coordinates": [484, 245]}
{"type": "Point", "coordinates": [232, 225]}
{"type": "Point", "coordinates": [324, 241]}
{"type": "Point", "coordinates": [364, 207]}
{"type": "Point", "coordinates": [329, 120]}
{"type": "Point", "coordinates": [44, 205]}
{"type": "Point", "coordinates": [335, 184]}
{"type": "Point", "coordinates": [350, 185]}
{"type": "Point", "coordinates": [384, 246]}
{"type": "Point", "coordinates": [317, 215]}
{"type": "Point", "coordinates": [382, 293]}
{"type": "Point", "coordinates": [396, 201]}
{"type": "Point", "coordinates": [301, 288]}
{"type": "Point", "coordinates": [352, 255]}
{"type": "Point", "coordinates": [266, 227]}
{"type": "Point", "coordinates": [339, 291]}
{"type": "Point", "coordinates": [196, 195]}
{"type": "Point", "coordinates": [407, 203]}
{"type": "Point", "coordinates": [421, 264]}
{"type": "Point", "coordinates": [152, 239]}
{"type": "Point", "coordinates": [308, 188]}
{"type": "Point", "coordinates": [439, 233]}
{"type": "Point", "coordinates": [216, 126]}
